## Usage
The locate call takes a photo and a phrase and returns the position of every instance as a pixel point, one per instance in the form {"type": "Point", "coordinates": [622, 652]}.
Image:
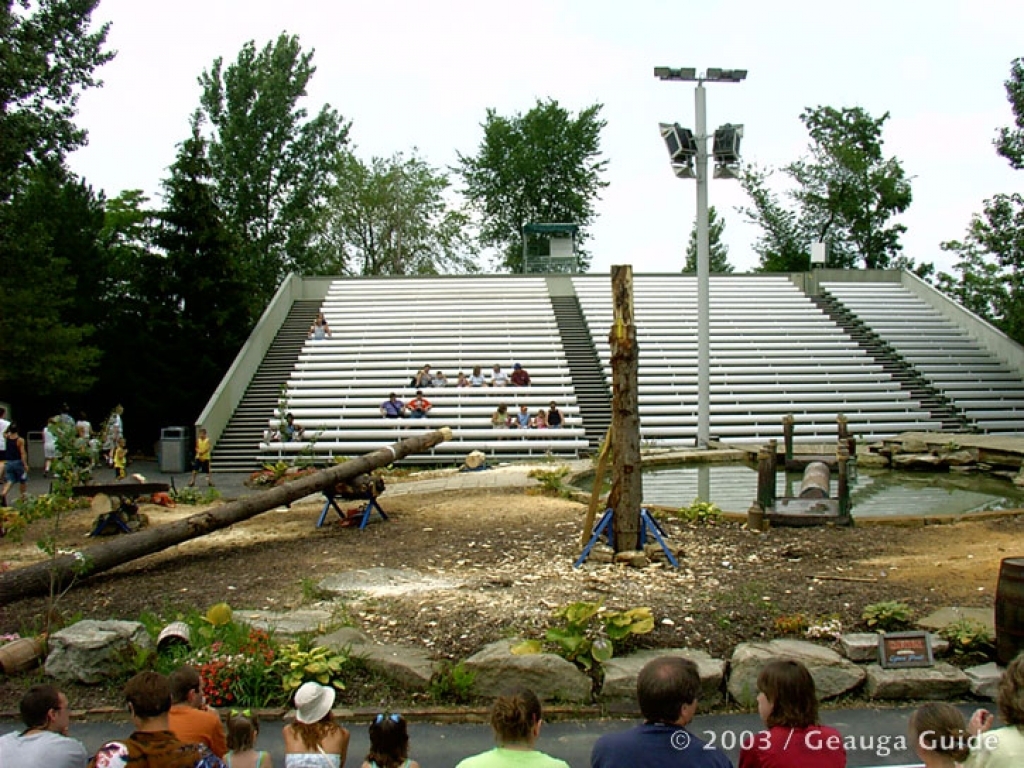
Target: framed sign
{"type": "Point", "coordinates": [905, 649]}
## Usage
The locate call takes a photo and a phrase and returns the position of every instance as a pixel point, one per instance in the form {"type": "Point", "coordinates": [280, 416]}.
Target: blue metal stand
{"type": "Point", "coordinates": [330, 500]}
{"type": "Point", "coordinates": [648, 525]}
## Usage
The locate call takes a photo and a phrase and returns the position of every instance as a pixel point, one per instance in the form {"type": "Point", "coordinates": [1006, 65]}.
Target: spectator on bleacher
{"type": "Point", "coordinates": [477, 379]}
{"type": "Point", "coordinates": [498, 377]}
{"type": "Point", "coordinates": [320, 329]}
{"type": "Point", "coordinates": [523, 418]}
{"type": "Point", "coordinates": [462, 380]}
{"type": "Point", "coordinates": [500, 419]}
{"type": "Point", "coordinates": [439, 379]}
{"type": "Point", "coordinates": [423, 378]}
{"type": "Point", "coordinates": [555, 419]}
{"type": "Point", "coordinates": [290, 430]}
{"type": "Point", "coordinates": [393, 408]}
{"type": "Point", "coordinates": [419, 406]}
{"type": "Point", "coordinates": [540, 420]}
{"type": "Point", "coordinates": [520, 378]}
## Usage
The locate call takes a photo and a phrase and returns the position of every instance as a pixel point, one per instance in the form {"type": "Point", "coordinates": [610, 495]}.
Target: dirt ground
{"type": "Point", "coordinates": [509, 558]}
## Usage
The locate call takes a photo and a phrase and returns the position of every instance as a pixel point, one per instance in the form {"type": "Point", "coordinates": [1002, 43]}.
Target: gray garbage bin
{"type": "Point", "coordinates": [34, 447]}
{"type": "Point", "coordinates": [174, 449]}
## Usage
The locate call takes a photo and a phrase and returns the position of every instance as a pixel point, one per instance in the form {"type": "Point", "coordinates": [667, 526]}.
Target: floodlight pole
{"type": "Point", "coordinates": [703, 274]}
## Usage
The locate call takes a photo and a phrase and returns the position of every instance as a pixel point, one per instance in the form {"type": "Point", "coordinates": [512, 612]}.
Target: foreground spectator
{"type": "Point", "coordinates": [389, 743]}
{"type": "Point", "coordinates": [516, 721]}
{"type": "Point", "coordinates": [938, 735]}
{"type": "Point", "coordinates": [152, 744]}
{"type": "Point", "coordinates": [1003, 747]}
{"type": "Point", "coordinates": [666, 689]}
{"type": "Point", "coordinates": [45, 741]}
{"type": "Point", "coordinates": [314, 739]}
{"type": "Point", "coordinates": [191, 720]}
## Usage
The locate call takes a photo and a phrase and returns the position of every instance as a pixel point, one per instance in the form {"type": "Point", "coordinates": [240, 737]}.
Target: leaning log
{"type": "Point", "coordinates": [36, 579]}
{"type": "Point", "coordinates": [626, 495]}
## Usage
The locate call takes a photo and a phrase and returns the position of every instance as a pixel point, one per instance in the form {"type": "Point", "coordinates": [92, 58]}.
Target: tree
{"type": "Point", "coordinates": [718, 251]}
{"type": "Point", "coordinates": [846, 195]}
{"type": "Point", "coordinates": [391, 217]}
{"type": "Point", "coordinates": [272, 165]}
{"type": "Point", "coordinates": [991, 256]}
{"type": "Point", "coordinates": [541, 167]}
{"type": "Point", "coordinates": [47, 57]}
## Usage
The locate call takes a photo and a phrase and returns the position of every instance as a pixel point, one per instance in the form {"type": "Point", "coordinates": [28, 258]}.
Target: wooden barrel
{"type": "Point", "coordinates": [1010, 609]}
{"type": "Point", "coordinates": [22, 654]}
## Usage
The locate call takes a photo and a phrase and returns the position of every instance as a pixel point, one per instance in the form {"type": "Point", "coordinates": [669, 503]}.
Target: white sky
{"type": "Point", "coordinates": [422, 74]}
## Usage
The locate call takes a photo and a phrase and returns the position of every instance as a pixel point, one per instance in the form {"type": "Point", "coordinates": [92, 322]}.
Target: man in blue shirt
{"type": "Point", "coordinates": [666, 690]}
{"type": "Point", "coordinates": [393, 408]}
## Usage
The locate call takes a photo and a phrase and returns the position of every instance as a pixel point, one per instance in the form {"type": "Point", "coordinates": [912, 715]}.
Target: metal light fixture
{"type": "Point", "coordinates": [682, 148]}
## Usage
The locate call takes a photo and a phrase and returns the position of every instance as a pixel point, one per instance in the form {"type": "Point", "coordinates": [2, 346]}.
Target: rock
{"type": "Point", "coordinates": [1018, 479]}
{"type": "Point", "coordinates": [343, 638]}
{"type": "Point", "coordinates": [633, 558]}
{"type": "Point", "coordinates": [301, 621]}
{"type": "Point", "coordinates": [863, 646]}
{"type": "Point", "coordinates": [833, 675]}
{"type": "Point", "coordinates": [548, 675]}
{"type": "Point", "coordinates": [872, 460]}
{"type": "Point", "coordinates": [960, 458]}
{"type": "Point", "coordinates": [410, 667]}
{"type": "Point", "coordinates": [911, 461]}
{"type": "Point", "coordinates": [984, 680]}
{"type": "Point", "coordinates": [601, 554]}
{"type": "Point", "coordinates": [943, 617]}
{"type": "Point", "coordinates": [620, 673]}
{"type": "Point", "coordinates": [913, 445]}
{"type": "Point", "coordinates": [940, 682]}
{"type": "Point", "coordinates": [92, 651]}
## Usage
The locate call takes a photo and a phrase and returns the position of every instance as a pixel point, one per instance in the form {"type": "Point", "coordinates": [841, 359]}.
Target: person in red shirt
{"type": "Point", "coordinates": [419, 406]}
{"type": "Point", "coordinates": [520, 378]}
{"type": "Point", "coordinates": [788, 705]}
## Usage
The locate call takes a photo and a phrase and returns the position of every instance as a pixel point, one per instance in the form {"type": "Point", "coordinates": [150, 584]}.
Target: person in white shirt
{"type": "Point", "coordinates": [45, 740]}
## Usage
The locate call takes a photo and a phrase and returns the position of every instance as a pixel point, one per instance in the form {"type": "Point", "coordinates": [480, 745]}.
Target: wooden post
{"type": "Point", "coordinates": [765, 480]}
{"type": "Point", "coordinates": [595, 493]}
{"type": "Point", "coordinates": [787, 434]}
{"type": "Point", "coordinates": [773, 472]}
{"type": "Point", "coordinates": [36, 579]}
{"type": "Point", "coordinates": [627, 488]}
{"type": "Point", "coordinates": [842, 457]}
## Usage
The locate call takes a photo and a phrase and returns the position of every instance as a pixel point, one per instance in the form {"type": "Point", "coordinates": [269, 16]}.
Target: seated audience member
{"type": "Point", "coordinates": [393, 408]}
{"type": "Point", "coordinates": [938, 735]}
{"type": "Point", "coordinates": [520, 378]}
{"type": "Point", "coordinates": [476, 379]}
{"type": "Point", "coordinates": [516, 719]}
{"type": "Point", "coordinates": [423, 378]}
{"type": "Point", "coordinates": [243, 729]}
{"type": "Point", "coordinates": [523, 417]}
{"type": "Point", "coordinates": [540, 420]}
{"type": "Point", "coordinates": [500, 418]}
{"type": "Point", "coordinates": [439, 379]}
{"type": "Point", "coordinates": [788, 706]}
{"type": "Point", "coordinates": [462, 381]}
{"type": "Point", "coordinates": [554, 415]}
{"type": "Point", "coordinates": [152, 743]}
{"type": "Point", "coordinates": [666, 690]}
{"type": "Point", "coordinates": [389, 743]}
{"type": "Point", "coordinates": [498, 377]}
{"type": "Point", "coordinates": [419, 406]}
{"type": "Point", "coordinates": [1003, 747]}
{"type": "Point", "coordinates": [314, 740]}
{"type": "Point", "coordinates": [191, 721]}
{"type": "Point", "coordinates": [319, 329]}
{"type": "Point", "coordinates": [45, 741]}
{"type": "Point", "coordinates": [290, 430]}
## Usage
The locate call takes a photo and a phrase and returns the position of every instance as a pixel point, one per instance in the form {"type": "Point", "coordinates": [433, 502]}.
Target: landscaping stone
{"type": "Point", "coordinates": [833, 675]}
{"type": "Point", "coordinates": [92, 651]}
{"type": "Point", "coordinates": [548, 675]}
{"type": "Point", "coordinates": [939, 682]}
{"type": "Point", "coordinates": [301, 621]}
{"type": "Point", "coordinates": [410, 667]}
{"type": "Point", "coordinates": [984, 680]}
{"type": "Point", "coordinates": [342, 638]}
{"type": "Point", "coordinates": [863, 646]}
{"type": "Point", "coordinates": [916, 461]}
{"type": "Point", "coordinates": [943, 617]}
{"type": "Point", "coordinates": [620, 673]}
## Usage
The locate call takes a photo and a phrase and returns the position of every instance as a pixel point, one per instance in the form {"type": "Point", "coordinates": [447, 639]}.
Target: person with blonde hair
{"type": "Point", "coordinates": [1003, 747]}
{"type": "Point", "coordinates": [939, 735]}
{"type": "Point", "coordinates": [516, 720]}
{"type": "Point", "coordinates": [314, 740]}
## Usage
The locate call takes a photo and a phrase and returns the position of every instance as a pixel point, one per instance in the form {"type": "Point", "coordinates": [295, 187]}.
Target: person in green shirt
{"type": "Point", "coordinates": [516, 720]}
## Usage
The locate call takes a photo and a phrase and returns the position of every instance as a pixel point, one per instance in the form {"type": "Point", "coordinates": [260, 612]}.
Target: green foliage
{"type": "Point", "coordinates": [589, 633]}
{"type": "Point", "coordinates": [1010, 143]}
{"type": "Point", "coordinates": [887, 616]}
{"type": "Point", "coordinates": [718, 251]}
{"type": "Point", "coordinates": [321, 665]}
{"type": "Point", "coordinates": [393, 217]}
{"type": "Point", "coordinates": [791, 624]}
{"type": "Point", "coordinates": [700, 512]}
{"type": "Point", "coordinates": [847, 193]}
{"type": "Point", "coordinates": [552, 480]}
{"type": "Point", "coordinates": [968, 638]}
{"type": "Point", "coordinates": [541, 167]}
{"type": "Point", "coordinates": [452, 683]}
{"type": "Point", "coordinates": [195, 496]}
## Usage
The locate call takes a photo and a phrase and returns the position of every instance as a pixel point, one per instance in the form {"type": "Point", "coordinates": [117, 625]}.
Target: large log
{"type": "Point", "coordinates": [626, 493]}
{"type": "Point", "coordinates": [35, 579]}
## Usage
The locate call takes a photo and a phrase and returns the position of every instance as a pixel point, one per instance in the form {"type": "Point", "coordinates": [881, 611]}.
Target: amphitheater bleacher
{"type": "Point", "coordinates": [977, 382]}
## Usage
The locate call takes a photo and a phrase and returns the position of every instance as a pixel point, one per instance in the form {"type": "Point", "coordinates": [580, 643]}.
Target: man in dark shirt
{"type": "Point", "coordinates": [520, 378]}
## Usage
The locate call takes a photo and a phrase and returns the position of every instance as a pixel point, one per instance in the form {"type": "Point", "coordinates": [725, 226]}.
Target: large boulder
{"type": "Point", "coordinates": [620, 673]}
{"type": "Point", "coordinates": [940, 682]}
{"type": "Point", "coordinates": [833, 675]}
{"type": "Point", "coordinates": [549, 676]}
{"type": "Point", "coordinates": [94, 651]}
{"type": "Point", "coordinates": [410, 667]}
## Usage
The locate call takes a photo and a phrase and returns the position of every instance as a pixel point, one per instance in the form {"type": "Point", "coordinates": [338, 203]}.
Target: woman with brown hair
{"type": "Point", "coordinates": [314, 740]}
{"type": "Point", "coordinates": [515, 719]}
{"type": "Point", "coordinates": [788, 705]}
{"type": "Point", "coordinates": [939, 735]}
{"type": "Point", "coordinates": [1003, 747]}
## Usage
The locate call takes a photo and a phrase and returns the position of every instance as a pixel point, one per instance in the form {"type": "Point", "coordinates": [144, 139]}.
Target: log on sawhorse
{"type": "Point", "coordinates": [648, 525]}
{"type": "Point", "coordinates": [128, 509]}
{"type": "Point", "coordinates": [363, 515]}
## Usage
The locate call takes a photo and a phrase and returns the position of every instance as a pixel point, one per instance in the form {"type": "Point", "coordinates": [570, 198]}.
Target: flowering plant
{"type": "Point", "coordinates": [247, 676]}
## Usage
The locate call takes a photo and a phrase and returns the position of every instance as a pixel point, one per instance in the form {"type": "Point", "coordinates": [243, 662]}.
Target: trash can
{"type": "Point", "coordinates": [174, 449]}
{"type": "Point", "coordinates": [34, 447]}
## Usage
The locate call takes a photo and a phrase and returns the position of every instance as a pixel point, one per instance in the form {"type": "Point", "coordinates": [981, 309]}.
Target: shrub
{"type": "Point", "coordinates": [887, 616]}
{"type": "Point", "coordinates": [700, 512]}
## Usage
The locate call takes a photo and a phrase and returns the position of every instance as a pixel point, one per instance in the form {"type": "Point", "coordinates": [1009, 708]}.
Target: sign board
{"type": "Point", "coordinates": [905, 649]}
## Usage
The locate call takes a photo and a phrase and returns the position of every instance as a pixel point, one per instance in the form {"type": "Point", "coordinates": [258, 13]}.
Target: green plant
{"type": "Point", "coordinates": [319, 664]}
{"type": "Point", "coordinates": [968, 638]}
{"type": "Point", "coordinates": [552, 480]}
{"type": "Point", "coordinates": [589, 632]}
{"type": "Point", "coordinates": [452, 683]}
{"type": "Point", "coordinates": [310, 590]}
{"type": "Point", "coordinates": [828, 627]}
{"type": "Point", "coordinates": [887, 616]}
{"type": "Point", "coordinates": [195, 495]}
{"type": "Point", "coordinates": [791, 624]}
{"type": "Point", "coordinates": [700, 512]}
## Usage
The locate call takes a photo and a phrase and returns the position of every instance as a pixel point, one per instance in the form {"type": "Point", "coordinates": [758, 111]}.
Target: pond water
{"type": "Point", "coordinates": [873, 492]}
